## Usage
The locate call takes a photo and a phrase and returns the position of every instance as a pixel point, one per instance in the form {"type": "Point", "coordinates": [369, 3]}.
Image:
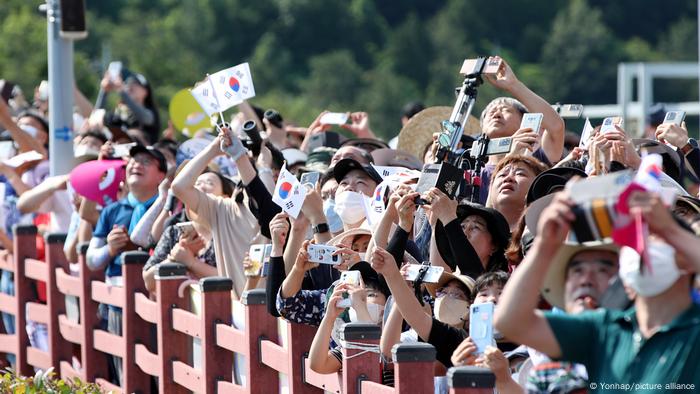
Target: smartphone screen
{"type": "Point", "coordinates": [481, 325]}
{"type": "Point", "coordinates": [532, 121]}
{"type": "Point", "coordinates": [675, 117]}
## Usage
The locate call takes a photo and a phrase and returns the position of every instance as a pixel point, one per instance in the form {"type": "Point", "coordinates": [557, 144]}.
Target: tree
{"type": "Point", "coordinates": [580, 57]}
{"type": "Point", "coordinates": [334, 78]}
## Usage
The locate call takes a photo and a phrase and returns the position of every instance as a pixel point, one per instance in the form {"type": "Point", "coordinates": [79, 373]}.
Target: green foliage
{"type": "Point", "coordinates": [361, 55]}
{"type": "Point", "coordinates": [44, 382]}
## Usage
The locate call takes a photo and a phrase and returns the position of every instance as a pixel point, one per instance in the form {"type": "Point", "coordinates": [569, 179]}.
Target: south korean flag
{"type": "Point", "coordinates": [289, 193]}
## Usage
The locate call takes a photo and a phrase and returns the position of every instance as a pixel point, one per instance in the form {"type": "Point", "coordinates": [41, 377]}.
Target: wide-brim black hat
{"type": "Point", "coordinates": [551, 181]}
{"type": "Point", "coordinates": [496, 224]}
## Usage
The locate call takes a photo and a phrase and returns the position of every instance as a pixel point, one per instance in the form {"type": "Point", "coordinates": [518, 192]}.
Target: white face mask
{"type": "Point", "coordinates": [350, 207]}
{"type": "Point", "coordinates": [654, 281]}
{"type": "Point", "coordinates": [84, 150]}
{"type": "Point", "coordinates": [451, 311]}
{"type": "Point", "coordinates": [31, 130]}
{"type": "Point", "coordinates": [376, 312]}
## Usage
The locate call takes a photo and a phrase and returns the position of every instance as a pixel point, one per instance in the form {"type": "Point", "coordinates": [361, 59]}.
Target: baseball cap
{"type": "Point", "coordinates": [153, 152]}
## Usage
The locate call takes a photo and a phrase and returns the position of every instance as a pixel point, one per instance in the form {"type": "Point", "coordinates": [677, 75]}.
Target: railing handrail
{"type": "Point", "coordinates": [167, 358]}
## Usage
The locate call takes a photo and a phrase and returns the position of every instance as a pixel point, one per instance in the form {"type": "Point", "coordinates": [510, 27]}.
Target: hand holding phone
{"type": "Point", "coordinates": [675, 117]}
{"type": "Point", "coordinates": [323, 254]}
{"type": "Point", "coordinates": [609, 124]}
{"type": "Point", "coordinates": [334, 118]}
{"type": "Point", "coordinates": [481, 325]}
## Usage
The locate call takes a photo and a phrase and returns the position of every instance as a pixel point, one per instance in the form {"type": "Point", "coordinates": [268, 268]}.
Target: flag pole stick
{"type": "Point", "coordinates": [213, 91]}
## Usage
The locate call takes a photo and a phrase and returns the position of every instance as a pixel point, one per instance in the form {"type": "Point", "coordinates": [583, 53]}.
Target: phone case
{"type": "Point", "coordinates": [323, 254]}
{"type": "Point", "coordinates": [255, 256]}
{"type": "Point", "coordinates": [432, 276]}
{"type": "Point", "coordinates": [533, 121]}
{"type": "Point", "coordinates": [481, 325]}
{"type": "Point", "coordinates": [350, 277]}
{"type": "Point", "coordinates": [675, 117]}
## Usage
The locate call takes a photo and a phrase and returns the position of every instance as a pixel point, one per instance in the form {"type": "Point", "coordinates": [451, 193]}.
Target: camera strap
{"type": "Point", "coordinates": [419, 281]}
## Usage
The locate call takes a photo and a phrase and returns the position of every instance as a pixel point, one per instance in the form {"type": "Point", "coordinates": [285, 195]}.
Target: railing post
{"type": "Point", "coordinates": [217, 362]}
{"type": "Point", "coordinates": [24, 244]}
{"type": "Point", "coordinates": [259, 324]}
{"type": "Point", "coordinates": [172, 345]}
{"type": "Point", "coordinates": [59, 348]}
{"type": "Point", "coordinates": [134, 329]}
{"type": "Point", "coordinates": [299, 338]}
{"type": "Point", "coordinates": [358, 367]}
{"type": "Point", "coordinates": [413, 366]}
{"type": "Point", "coordinates": [92, 362]}
{"type": "Point", "coordinates": [470, 380]}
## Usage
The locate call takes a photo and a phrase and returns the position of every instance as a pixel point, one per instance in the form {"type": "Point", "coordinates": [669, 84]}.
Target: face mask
{"type": "Point", "coordinates": [376, 312]}
{"type": "Point", "coordinates": [451, 311]}
{"type": "Point", "coordinates": [335, 225]}
{"type": "Point", "coordinates": [84, 150]}
{"type": "Point", "coordinates": [350, 206]}
{"type": "Point", "coordinates": [31, 130]}
{"type": "Point", "coordinates": [662, 275]}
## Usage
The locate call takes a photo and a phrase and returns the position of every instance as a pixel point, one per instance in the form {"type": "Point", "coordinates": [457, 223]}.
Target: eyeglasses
{"type": "Point", "coordinates": [143, 160]}
{"type": "Point", "coordinates": [452, 293]}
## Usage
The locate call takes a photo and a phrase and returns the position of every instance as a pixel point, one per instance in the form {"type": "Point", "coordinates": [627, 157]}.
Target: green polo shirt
{"type": "Point", "coordinates": [618, 357]}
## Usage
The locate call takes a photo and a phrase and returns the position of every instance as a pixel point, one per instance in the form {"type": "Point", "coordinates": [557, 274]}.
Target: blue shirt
{"type": "Point", "coordinates": [118, 213]}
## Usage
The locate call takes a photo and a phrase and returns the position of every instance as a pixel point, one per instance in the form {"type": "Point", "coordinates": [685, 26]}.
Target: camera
{"type": "Point", "coordinates": [274, 118]}
{"type": "Point", "coordinates": [254, 141]}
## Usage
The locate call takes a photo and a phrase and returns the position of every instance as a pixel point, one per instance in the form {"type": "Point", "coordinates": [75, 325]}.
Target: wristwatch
{"type": "Point", "coordinates": [689, 146]}
{"type": "Point", "coordinates": [321, 228]}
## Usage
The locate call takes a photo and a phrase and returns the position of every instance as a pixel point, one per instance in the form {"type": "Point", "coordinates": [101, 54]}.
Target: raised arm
{"type": "Point", "coordinates": [183, 184]}
{"type": "Point", "coordinates": [24, 141]}
{"type": "Point", "coordinates": [383, 262]}
{"type": "Point", "coordinates": [517, 317]}
{"type": "Point", "coordinates": [553, 137]}
{"type": "Point", "coordinates": [31, 200]}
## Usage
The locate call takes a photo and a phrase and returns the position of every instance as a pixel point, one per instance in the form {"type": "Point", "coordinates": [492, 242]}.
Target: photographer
{"type": "Point", "coordinates": [654, 342]}
{"type": "Point", "coordinates": [502, 117]}
{"type": "Point", "coordinates": [136, 107]}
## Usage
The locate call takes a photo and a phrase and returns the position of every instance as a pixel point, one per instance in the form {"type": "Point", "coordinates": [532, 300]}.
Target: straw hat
{"type": "Point", "coordinates": [418, 132]}
{"type": "Point", "coordinates": [555, 278]}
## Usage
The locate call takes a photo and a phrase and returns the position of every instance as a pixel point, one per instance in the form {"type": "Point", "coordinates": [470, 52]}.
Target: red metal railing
{"type": "Point", "coordinates": [156, 334]}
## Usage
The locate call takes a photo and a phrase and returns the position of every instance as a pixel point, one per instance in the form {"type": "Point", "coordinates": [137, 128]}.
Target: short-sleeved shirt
{"type": "Point", "coordinates": [233, 228]}
{"type": "Point", "coordinates": [117, 213]}
{"type": "Point", "coordinates": [614, 351]}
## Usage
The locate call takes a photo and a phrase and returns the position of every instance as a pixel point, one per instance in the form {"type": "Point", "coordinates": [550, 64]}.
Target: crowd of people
{"type": "Point", "coordinates": [567, 314]}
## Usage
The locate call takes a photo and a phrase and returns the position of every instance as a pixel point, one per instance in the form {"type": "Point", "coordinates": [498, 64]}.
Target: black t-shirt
{"type": "Point", "coordinates": [445, 339]}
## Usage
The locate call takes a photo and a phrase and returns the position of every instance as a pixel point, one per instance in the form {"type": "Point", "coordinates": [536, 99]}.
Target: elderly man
{"type": "Point", "coordinates": [502, 117]}
{"type": "Point", "coordinates": [576, 281]}
{"type": "Point", "coordinates": [648, 347]}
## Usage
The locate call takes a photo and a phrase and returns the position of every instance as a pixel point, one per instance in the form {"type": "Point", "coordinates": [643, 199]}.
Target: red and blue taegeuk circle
{"type": "Point", "coordinates": [378, 195]}
{"type": "Point", "coordinates": [285, 188]}
{"type": "Point", "coordinates": [234, 84]}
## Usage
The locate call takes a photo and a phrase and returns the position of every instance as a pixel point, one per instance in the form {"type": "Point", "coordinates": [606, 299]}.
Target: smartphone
{"type": "Point", "coordinates": [114, 71]}
{"type": "Point", "coordinates": [185, 227]}
{"type": "Point", "coordinates": [675, 117]}
{"type": "Point", "coordinates": [265, 271]}
{"type": "Point", "coordinates": [481, 325]}
{"type": "Point", "coordinates": [311, 178]}
{"type": "Point", "coordinates": [431, 276]}
{"type": "Point", "coordinates": [323, 254]}
{"type": "Point", "coordinates": [44, 90]}
{"type": "Point", "coordinates": [334, 118]}
{"type": "Point", "coordinates": [610, 123]}
{"type": "Point", "coordinates": [73, 19]}
{"type": "Point", "coordinates": [532, 121]}
{"type": "Point", "coordinates": [350, 277]}
{"type": "Point", "coordinates": [7, 150]}
{"type": "Point", "coordinates": [493, 64]}
{"type": "Point", "coordinates": [122, 150]}
{"type": "Point", "coordinates": [255, 256]}
{"type": "Point", "coordinates": [6, 90]}
{"type": "Point", "coordinates": [571, 111]}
